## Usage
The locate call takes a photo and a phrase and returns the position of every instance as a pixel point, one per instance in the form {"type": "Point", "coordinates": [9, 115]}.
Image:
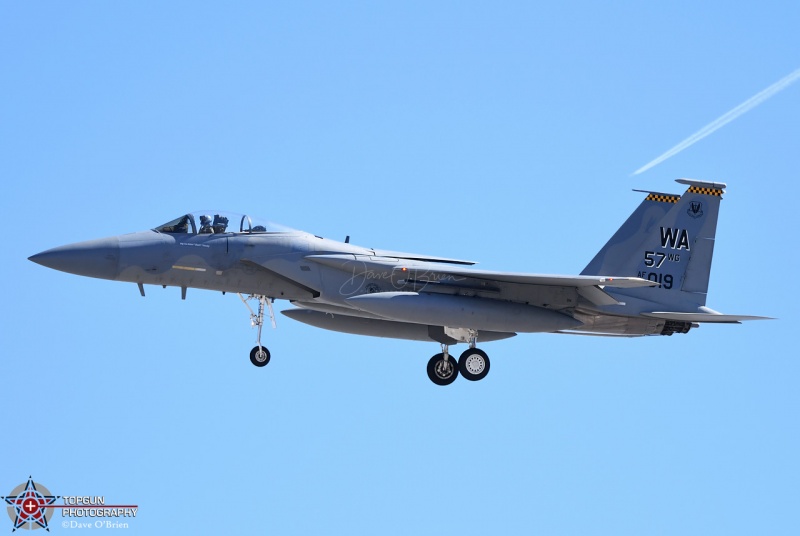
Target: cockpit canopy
{"type": "Point", "coordinates": [216, 222]}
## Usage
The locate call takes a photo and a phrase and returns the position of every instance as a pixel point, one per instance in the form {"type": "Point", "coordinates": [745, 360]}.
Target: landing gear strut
{"type": "Point", "coordinates": [473, 363]}
{"type": "Point", "coordinates": [442, 369]}
{"type": "Point", "coordinates": [259, 355]}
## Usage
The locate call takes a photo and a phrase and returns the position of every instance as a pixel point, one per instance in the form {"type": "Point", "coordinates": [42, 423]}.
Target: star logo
{"type": "Point", "coordinates": [28, 505]}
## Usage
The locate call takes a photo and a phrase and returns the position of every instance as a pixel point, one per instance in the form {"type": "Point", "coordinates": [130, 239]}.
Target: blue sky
{"type": "Point", "coordinates": [503, 133]}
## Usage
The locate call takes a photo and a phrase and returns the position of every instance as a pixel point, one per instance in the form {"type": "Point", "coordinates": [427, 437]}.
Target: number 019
{"type": "Point", "coordinates": [664, 281]}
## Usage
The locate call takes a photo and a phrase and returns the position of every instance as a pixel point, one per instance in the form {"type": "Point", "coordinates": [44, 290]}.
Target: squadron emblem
{"type": "Point", "coordinates": [695, 209]}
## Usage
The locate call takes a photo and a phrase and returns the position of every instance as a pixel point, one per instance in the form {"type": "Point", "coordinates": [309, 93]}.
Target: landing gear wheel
{"type": "Point", "coordinates": [259, 356]}
{"type": "Point", "coordinates": [473, 364]}
{"type": "Point", "coordinates": [441, 372]}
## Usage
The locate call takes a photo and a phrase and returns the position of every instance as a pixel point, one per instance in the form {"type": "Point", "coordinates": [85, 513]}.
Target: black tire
{"type": "Point", "coordinates": [436, 371]}
{"type": "Point", "coordinates": [259, 359]}
{"type": "Point", "coordinates": [473, 364]}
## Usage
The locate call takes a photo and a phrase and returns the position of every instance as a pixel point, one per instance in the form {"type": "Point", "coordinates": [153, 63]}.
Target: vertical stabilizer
{"type": "Point", "coordinates": [614, 257]}
{"type": "Point", "coordinates": [675, 251]}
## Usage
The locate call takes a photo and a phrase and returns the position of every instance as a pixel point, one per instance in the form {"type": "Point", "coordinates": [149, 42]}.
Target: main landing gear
{"type": "Point", "coordinates": [259, 355]}
{"type": "Point", "coordinates": [443, 369]}
{"type": "Point", "coordinates": [473, 365]}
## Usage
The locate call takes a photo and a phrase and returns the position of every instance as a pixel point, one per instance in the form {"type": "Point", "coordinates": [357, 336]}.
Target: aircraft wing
{"type": "Point", "coordinates": [553, 291]}
{"type": "Point", "coordinates": [551, 280]}
{"type": "Point", "coordinates": [434, 273]}
{"type": "Point", "coordinates": [544, 288]}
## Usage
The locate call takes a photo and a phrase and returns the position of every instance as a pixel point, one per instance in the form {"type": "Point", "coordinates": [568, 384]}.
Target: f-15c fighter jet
{"type": "Point", "coordinates": [651, 278]}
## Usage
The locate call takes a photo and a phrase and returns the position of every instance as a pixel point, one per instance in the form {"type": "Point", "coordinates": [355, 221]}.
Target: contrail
{"type": "Point", "coordinates": [720, 122]}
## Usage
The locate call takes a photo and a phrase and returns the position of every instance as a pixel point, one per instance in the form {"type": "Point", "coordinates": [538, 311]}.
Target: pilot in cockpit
{"type": "Point", "coordinates": [182, 226]}
{"type": "Point", "coordinates": [220, 223]}
{"type": "Point", "coordinates": [205, 225]}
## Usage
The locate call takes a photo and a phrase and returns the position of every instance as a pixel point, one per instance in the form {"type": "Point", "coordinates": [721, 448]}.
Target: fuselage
{"type": "Point", "coordinates": [345, 287]}
{"type": "Point", "coordinates": [316, 273]}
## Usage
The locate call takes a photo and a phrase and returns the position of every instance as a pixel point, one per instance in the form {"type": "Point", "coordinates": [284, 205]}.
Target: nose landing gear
{"type": "Point", "coordinates": [259, 355]}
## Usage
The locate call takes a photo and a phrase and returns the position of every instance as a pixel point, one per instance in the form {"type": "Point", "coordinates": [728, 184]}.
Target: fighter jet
{"type": "Point", "coordinates": [650, 278]}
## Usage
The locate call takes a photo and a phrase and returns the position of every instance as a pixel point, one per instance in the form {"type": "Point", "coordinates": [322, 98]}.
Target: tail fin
{"type": "Point", "coordinates": [669, 240]}
{"type": "Point", "coordinates": [614, 258]}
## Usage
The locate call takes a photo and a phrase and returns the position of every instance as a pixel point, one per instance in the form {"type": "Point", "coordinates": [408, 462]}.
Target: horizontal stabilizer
{"type": "Point", "coordinates": [716, 318]}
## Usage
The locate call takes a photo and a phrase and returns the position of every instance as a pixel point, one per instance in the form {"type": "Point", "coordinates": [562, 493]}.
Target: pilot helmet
{"type": "Point", "coordinates": [205, 220]}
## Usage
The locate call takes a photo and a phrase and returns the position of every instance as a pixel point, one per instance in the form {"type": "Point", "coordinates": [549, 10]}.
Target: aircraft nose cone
{"type": "Point", "coordinates": [93, 258]}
